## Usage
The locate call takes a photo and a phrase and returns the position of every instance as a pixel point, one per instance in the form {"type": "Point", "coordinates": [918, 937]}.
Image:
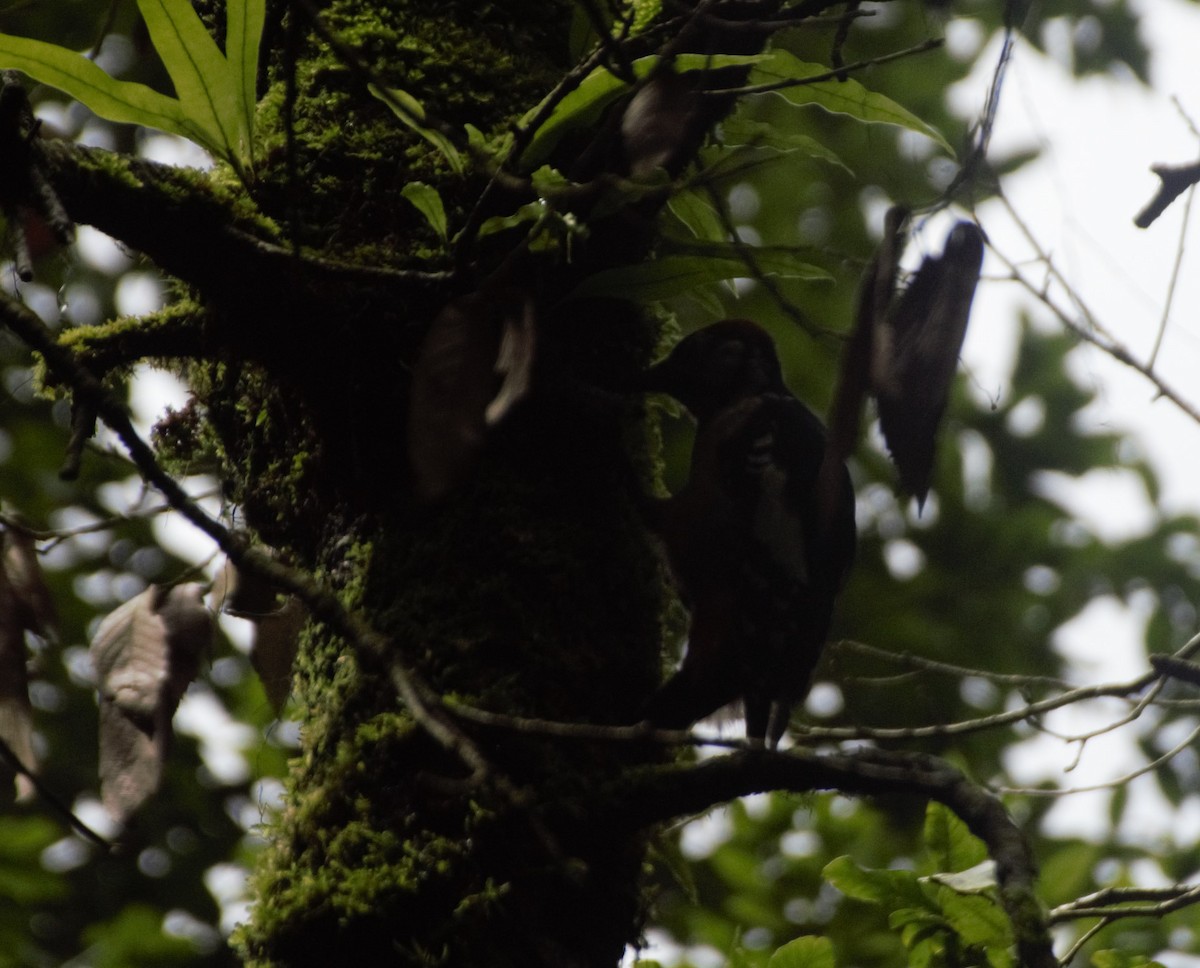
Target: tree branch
{"type": "Point", "coordinates": [934, 43]}
{"type": "Point", "coordinates": [1118, 902]}
{"type": "Point", "coordinates": [1174, 182]}
{"type": "Point", "coordinates": [663, 793]}
{"type": "Point", "coordinates": [1087, 328]}
{"type": "Point", "coordinates": [50, 798]}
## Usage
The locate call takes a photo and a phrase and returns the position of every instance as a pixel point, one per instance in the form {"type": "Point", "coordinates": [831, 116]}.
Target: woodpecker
{"type": "Point", "coordinates": [757, 552]}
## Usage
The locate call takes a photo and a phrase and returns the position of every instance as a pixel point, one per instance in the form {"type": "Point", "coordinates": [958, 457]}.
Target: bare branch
{"type": "Point", "coordinates": [1179, 250]}
{"type": "Point", "coordinates": [1118, 690]}
{"type": "Point", "coordinates": [56, 536]}
{"type": "Point", "coordinates": [1176, 668]}
{"type": "Point", "coordinates": [1089, 328]}
{"type": "Point", "coordinates": [1110, 903]}
{"type": "Point", "coordinates": [1174, 182]}
{"type": "Point", "coordinates": [934, 43]}
{"type": "Point", "coordinates": [662, 793]}
{"type": "Point", "coordinates": [1112, 784]}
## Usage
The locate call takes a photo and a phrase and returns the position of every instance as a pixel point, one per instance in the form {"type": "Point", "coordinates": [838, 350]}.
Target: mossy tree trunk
{"type": "Point", "coordinates": [532, 589]}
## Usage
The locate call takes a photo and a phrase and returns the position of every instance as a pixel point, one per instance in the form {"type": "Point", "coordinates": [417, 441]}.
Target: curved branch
{"type": "Point", "coordinates": [664, 793]}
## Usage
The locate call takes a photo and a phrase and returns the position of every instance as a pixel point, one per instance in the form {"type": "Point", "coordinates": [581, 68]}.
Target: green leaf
{"type": "Point", "coordinates": [23, 879]}
{"type": "Point", "coordinates": [675, 275]}
{"type": "Point", "coordinates": [784, 262]}
{"type": "Point", "coordinates": [950, 841]}
{"type": "Point", "coordinates": [584, 105]}
{"type": "Point", "coordinates": [759, 134]}
{"type": "Point", "coordinates": [428, 202]}
{"type": "Point", "coordinates": [243, 35]}
{"type": "Point", "coordinates": [811, 951]}
{"type": "Point", "coordinates": [696, 212]}
{"type": "Point", "coordinates": [135, 937]}
{"type": "Point", "coordinates": [977, 920]}
{"type": "Point", "coordinates": [1122, 959]}
{"type": "Point", "coordinates": [528, 213]}
{"type": "Point", "coordinates": [892, 889]}
{"type": "Point", "coordinates": [203, 79]}
{"type": "Point", "coordinates": [77, 77]}
{"type": "Point", "coordinates": [409, 110]}
{"type": "Point", "coordinates": [846, 97]}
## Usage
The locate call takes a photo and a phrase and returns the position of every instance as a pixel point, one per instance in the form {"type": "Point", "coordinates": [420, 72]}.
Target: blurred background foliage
{"type": "Point", "coordinates": [981, 580]}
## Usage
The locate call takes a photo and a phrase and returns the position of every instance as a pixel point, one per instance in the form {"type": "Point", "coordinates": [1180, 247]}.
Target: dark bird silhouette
{"type": "Point", "coordinates": [758, 554]}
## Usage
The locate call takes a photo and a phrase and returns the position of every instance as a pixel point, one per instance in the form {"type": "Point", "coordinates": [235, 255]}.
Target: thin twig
{"type": "Point", "coordinates": [746, 253]}
{"type": "Point", "coordinates": [54, 537]}
{"type": "Point", "coordinates": [1083, 939]}
{"type": "Point", "coordinates": [1108, 784]}
{"type": "Point", "coordinates": [920, 663]}
{"type": "Point", "coordinates": [13, 762]}
{"type": "Point", "coordinates": [932, 44]}
{"type": "Point", "coordinates": [1179, 249]}
{"type": "Point", "coordinates": [1118, 690]}
{"type": "Point", "coordinates": [1110, 903]}
{"type": "Point", "coordinates": [1090, 331]}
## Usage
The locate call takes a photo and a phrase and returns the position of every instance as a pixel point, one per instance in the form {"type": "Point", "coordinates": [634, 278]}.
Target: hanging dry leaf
{"type": "Point", "coordinates": [33, 601]}
{"type": "Point", "coordinates": [276, 626]}
{"type": "Point", "coordinates": [464, 380]}
{"type": "Point", "coordinates": [662, 124]}
{"type": "Point", "coordinates": [514, 362]}
{"type": "Point", "coordinates": [915, 354]}
{"type": "Point", "coordinates": [145, 653]}
{"type": "Point", "coordinates": [276, 640]}
{"type": "Point", "coordinates": [452, 384]}
{"type": "Point", "coordinates": [243, 594]}
{"type": "Point", "coordinates": [16, 715]}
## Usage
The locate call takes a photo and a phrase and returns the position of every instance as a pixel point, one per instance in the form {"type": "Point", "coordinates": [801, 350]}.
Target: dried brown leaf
{"type": "Point", "coordinates": [16, 714]}
{"type": "Point", "coordinates": [33, 600]}
{"type": "Point", "coordinates": [276, 640]}
{"type": "Point", "coordinates": [146, 652]}
{"type": "Point", "coordinates": [661, 124]}
{"type": "Point", "coordinates": [474, 365]}
{"type": "Point", "coordinates": [189, 627]}
{"type": "Point", "coordinates": [514, 362]}
{"type": "Point", "coordinates": [915, 354]}
{"type": "Point", "coordinates": [452, 384]}
{"type": "Point", "coordinates": [242, 594]}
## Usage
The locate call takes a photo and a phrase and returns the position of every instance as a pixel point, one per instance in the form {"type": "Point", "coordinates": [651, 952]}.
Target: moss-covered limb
{"type": "Point", "coordinates": [173, 333]}
{"type": "Point", "coordinates": [660, 793]}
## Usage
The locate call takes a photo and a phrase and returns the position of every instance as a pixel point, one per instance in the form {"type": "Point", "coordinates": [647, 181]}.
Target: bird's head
{"type": "Point", "coordinates": [715, 367]}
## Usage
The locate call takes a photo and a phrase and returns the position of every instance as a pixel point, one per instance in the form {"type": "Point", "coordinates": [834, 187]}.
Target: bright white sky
{"type": "Point", "coordinates": [1099, 138]}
